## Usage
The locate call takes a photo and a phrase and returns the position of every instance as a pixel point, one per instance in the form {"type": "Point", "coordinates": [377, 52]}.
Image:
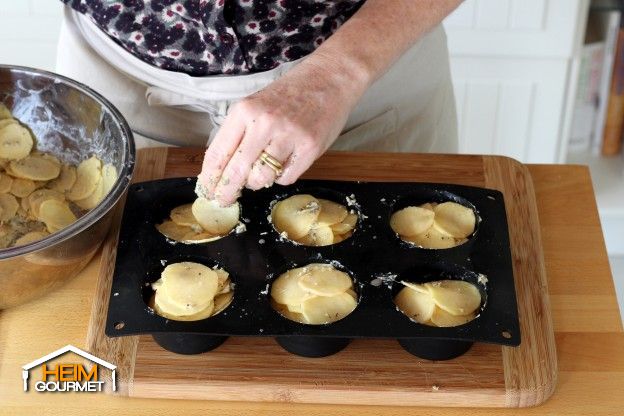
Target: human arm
{"type": "Point", "coordinates": [299, 116]}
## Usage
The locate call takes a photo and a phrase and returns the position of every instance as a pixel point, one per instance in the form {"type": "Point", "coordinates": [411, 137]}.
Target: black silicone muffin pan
{"type": "Point", "coordinates": [374, 256]}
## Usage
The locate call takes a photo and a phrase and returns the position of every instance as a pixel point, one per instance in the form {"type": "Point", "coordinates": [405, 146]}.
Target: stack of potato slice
{"type": "Point", "coordinates": [40, 195]}
{"type": "Point", "coordinates": [190, 291]}
{"type": "Point", "coordinates": [444, 303]}
{"type": "Point", "coordinates": [434, 225]}
{"type": "Point", "coordinates": [200, 222]}
{"type": "Point", "coordinates": [315, 294]}
{"type": "Point", "coordinates": [313, 221]}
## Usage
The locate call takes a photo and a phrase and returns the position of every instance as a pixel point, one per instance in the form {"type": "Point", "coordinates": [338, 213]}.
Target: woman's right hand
{"type": "Point", "coordinates": [295, 120]}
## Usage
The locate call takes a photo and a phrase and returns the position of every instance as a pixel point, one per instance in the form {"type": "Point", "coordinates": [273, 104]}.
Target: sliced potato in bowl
{"type": "Point", "coordinates": [55, 214]}
{"type": "Point", "coordinates": [15, 142]}
{"type": "Point", "coordinates": [35, 167]}
{"type": "Point", "coordinates": [88, 175]}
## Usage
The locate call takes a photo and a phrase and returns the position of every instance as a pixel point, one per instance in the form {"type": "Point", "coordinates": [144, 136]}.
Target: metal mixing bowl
{"type": "Point", "coordinates": [73, 122]}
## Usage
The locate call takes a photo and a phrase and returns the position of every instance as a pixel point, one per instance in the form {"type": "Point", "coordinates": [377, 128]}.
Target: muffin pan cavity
{"type": "Point", "coordinates": [376, 260]}
{"type": "Point", "coordinates": [318, 218]}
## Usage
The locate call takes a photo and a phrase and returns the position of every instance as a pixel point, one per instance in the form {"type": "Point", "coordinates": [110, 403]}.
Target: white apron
{"type": "Point", "coordinates": [409, 109]}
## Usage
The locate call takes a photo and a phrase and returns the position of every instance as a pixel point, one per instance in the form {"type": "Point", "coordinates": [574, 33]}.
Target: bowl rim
{"type": "Point", "coordinates": [119, 188]}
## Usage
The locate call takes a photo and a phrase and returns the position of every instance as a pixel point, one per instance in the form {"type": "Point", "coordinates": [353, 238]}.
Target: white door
{"type": "Point", "coordinates": [510, 62]}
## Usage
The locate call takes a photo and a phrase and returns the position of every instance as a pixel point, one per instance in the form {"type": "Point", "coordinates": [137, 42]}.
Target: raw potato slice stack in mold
{"type": "Point", "coordinates": [39, 194]}
{"type": "Point", "coordinates": [444, 303]}
{"type": "Point", "coordinates": [434, 225]}
{"type": "Point", "coordinates": [190, 291]}
{"type": "Point", "coordinates": [313, 221]}
{"type": "Point", "coordinates": [200, 222]}
{"type": "Point", "coordinates": [315, 294]}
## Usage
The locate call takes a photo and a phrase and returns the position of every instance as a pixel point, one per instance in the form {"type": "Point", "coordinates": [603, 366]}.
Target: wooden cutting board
{"type": "Point", "coordinates": [367, 371]}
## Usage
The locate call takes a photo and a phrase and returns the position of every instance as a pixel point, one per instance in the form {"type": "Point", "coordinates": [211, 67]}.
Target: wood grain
{"type": "Point", "coordinates": [259, 370]}
{"type": "Point", "coordinates": [121, 351]}
{"type": "Point", "coordinates": [531, 368]}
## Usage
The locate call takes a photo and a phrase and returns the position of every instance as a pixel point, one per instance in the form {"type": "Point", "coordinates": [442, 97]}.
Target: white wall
{"type": "Point", "coordinates": [28, 32]}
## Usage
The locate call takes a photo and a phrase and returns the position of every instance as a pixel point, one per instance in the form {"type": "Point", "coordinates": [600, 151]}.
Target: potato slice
{"type": "Point", "coordinates": [223, 280]}
{"type": "Point", "coordinates": [65, 180]}
{"type": "Point", "coordinates": [34, 200]}
{"type": "Point", "coordinates": [455, 219]}
{"type": "Point", "coordinates": [346, 225]}
{"type": "Point", "coordinates": [318, 236]}
{"type": "Point", "coordinates": [294, 308]}
{"type": "Point", "coordinates": [227, 287]}
{"type": "Point", "coordinates": [161, 309]}
{"type": "Point", "coordinates": [338, 239]}
{"type": "Point", "coordinates": [411, 221]}
{"type": "Point", "coordinates": [222, 301]}
{"type": "Point", "coordinates": [37, 168]}
{"type": "Point", "coordinates": [324, 280]}
{"type": "Point", "coordinates": [444, 319]}
{"type": "Point", "coordinates": [7, 121]}
{"type": "Point", "coordinates": [164, 306]}
{"type": "Point", "coordinates": [88, 175]}
{"type": "Point", "coordinates": [92, 200]}
{"type": "Point", "coordinates": [199, 238]}
{"type": "Point", "coordinates": [286, 289]}
{"type": "Point", "coordinates": [296, 215]}
{"type": "Point", "coordinates": [346, 235]}
{"type": "Point", "coordinates": [352, 293]}
{"type": "Point", "coordinates": [49, 157]}
{"type": "Point", "coordinates": [183, 215]}
{"type": "Point", "coordinates": [331, 212]}
{"type": "Point", "coordinates": [15, 142]}
{"type": "Point", "coordinates": [8, 207]}
{"type": "Point", "coordinates": [432, 239]}
{"type": "Point", "coordinates": [455, 296]}
{"type": "Point", "coordinates": [417, 305]}
{"type": "Point", "coordinates": [174, 231]}
{"type": "Point", "coordinates": [415, 286]}
{"type": "Point", "coordinates": [56, 215]}
{"type": "Point", "coordinates": [40, 184]}
{"type": "Point", "coordinates": [189, 285]}
{"type": "Point", "coordinates": [287, 313]}
{"type": "Point", "coordinates": [109, 176]}
{"type": "Point", "coordinates": [5, 183]}
{"type": "Point", "coordinates": [21, 212]}
{"type": "Point", "coordinates": [21, 188]}
{"type": "Point", "coordinates": [213, 218]}
{"type": "Point", "coordinates": [323, 310]}
{"type": "Point", "coordinates": [5, 112]}
{"type": "Point", "coordinates": [30, 237]}
{"type": "Point", "coordinates": [429, 205]}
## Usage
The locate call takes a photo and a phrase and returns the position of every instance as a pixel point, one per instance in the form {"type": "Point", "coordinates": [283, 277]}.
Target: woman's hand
{"type": "Point", "coordinates": [294, 120]}
{"type": "Point", "coordinates": [298, 117]}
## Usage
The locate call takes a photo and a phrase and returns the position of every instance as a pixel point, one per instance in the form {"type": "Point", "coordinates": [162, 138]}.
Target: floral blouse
{"type": "Point", "coordinates": [206, 37]}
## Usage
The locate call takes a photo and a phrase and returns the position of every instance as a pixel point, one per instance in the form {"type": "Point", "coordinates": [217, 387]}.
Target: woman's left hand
{"type": "Point", "coordinates": [294, 120]}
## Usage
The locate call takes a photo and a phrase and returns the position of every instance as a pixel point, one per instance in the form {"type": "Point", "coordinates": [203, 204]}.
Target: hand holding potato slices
{"type": "Point", "coordinates": [315, 294]}
{"type": "Point", "coordinates": [40, 195]}
{"type": "Point", "coordinates": [444, 303]}
{"type": "Point", "coordinates": [190, 291]}
{"type": "Point", "coordinates": [434, 225]}
{"type": "Point", "coordinates": [313, 221]}
{"type": "Point", "coordinates": [200, 222]}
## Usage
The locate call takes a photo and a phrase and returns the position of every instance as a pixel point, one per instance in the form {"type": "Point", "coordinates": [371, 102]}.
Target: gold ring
{"type": "Point", "coordinates": [271, 162]}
